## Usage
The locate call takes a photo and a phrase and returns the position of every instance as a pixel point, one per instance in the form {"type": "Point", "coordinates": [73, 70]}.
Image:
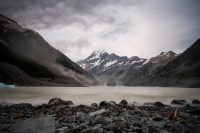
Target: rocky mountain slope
{"type": "Point", "coordinates": [183, 71]}
{"type": "Point", "coordinates": [27, 59]}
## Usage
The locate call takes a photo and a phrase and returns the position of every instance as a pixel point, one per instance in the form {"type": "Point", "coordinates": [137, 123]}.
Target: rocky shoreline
{"type": "Point", "coordinates": [59, 116]}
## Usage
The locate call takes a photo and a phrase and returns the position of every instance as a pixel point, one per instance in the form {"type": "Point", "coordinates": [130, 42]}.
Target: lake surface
{"type": "Point", "coordinates": [88, 95]}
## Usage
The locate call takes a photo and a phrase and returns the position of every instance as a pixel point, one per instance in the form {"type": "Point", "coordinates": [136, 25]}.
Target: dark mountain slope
{"type": "Point", "coordinates": [187, 64]}
{"type": "Point", "coordinates": [28, 53]}
{"type": "Point", "coordinates": [183, 71]}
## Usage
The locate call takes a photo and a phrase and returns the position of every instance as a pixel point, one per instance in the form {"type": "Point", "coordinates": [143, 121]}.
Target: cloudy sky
{"type": "Point", "coordinates": [126, 27]}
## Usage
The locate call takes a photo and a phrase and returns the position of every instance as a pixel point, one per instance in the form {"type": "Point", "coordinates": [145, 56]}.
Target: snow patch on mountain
{"type": "Point", "coordinates": [110, 63]}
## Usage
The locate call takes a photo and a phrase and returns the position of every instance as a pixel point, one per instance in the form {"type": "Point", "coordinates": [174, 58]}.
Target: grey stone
{"type": "Point", "coordinates": [21, 105]}
{"type": "Point", "coordinates": [98, 112]}
{"type": "Point", "coordinates": [178, 102]}
{"type": "Point", "coordinates": [37, 125]}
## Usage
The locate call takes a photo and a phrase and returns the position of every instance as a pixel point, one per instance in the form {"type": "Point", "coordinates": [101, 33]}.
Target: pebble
{"type": "Point", "coordinates": [58, 116]}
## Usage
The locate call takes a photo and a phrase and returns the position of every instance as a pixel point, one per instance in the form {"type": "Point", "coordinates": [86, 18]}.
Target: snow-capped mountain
{"type": "Point", "coordinates": [102, 63]}
{"type": "Point", "coordinates": [111, 67]}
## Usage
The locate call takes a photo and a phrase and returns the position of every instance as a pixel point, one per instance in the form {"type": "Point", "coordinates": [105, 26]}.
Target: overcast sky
{"type": "Point", "coordinates": [125, 27]}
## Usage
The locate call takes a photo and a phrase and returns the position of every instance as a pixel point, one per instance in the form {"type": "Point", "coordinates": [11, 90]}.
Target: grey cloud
{"type": "Point", "coordinates": [66, 45]}
{"type": "Point", "coordinates": [128, 27]}
{"type": "Point", "coordinates": [121, 28]}
{"type": "Point", "coordinates": [48, 13]}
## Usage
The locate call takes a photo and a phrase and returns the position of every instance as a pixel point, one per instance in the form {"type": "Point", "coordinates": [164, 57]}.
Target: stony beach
{"type": "Point", "coordinates": [59, 116]}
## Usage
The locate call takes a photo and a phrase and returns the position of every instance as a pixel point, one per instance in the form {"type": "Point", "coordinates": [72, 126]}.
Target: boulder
{"type": "Point", "coordinates": [103, 104]}
{"type": "Point", "coordinates": [195, 101]}
{"type": "Point", "coordinates": [34, 125]}
{"type": "Point", "coordinates": [178, 102]}
{"type": "Point", "coordinates": [123, 103]}
{"type": "Point", "coordinates": [159, 104]}
{"type": "Point", "coordinates": [59, 101]}
{"type": "Point", "coordinates": [94, 105]}
{"type": "Point", "coordinates": [98, 112]}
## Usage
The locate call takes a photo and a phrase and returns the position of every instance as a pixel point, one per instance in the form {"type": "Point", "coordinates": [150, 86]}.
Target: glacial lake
{"type": "Point", "coordinates": [88, 95]}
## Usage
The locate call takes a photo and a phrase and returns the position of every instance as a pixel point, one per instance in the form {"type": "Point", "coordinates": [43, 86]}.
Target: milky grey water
{"type": "Point", "coordinates": [88, 95]}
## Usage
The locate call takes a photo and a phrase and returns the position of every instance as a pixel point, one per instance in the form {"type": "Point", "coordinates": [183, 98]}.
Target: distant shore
{"type": "Point", "coordinates": [64, 117]}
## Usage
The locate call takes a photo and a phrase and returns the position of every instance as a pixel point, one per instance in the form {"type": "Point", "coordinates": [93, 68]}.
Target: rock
{"type": "Point", "coordinates": [98, 125]}
{"type": "Point", "coordinates": [103, 104]}
{"type": "Point", "coordinates": [149, 104]}
{"type": "Point", "coordinates": [179, 128]}
{"type": "Point", "coordinates": [178, 102]}
{"type": "Point", "coordinates": [137, 130]}
{"type": "Point", "coordinates": [21, 105]}
{"type": "Point", "coordinates": [157, 118]}
{"type": "Point", "coordinates": [83, 117]}
{"type": "Point", "coordinates": [94, 105]}
{"type": "Point", "coordinates": [19, 115]}
{"type": "Point", "coordinates": [159, 104]}
{"type": "Point", "coordinates": [69, 102]}
{"type": "Point", "coordinates": [112, 103]}
{"type": "Point", "coordinates": [4, 127]}
{"type": "Point", "coordinates": [195, 101]}
{"type": "Point", "coordinates": [59, 101]}
{"type": "Point", "coordinates": [91, 130]}
{"type": "Point", "coordinates": [98, 112]}
{"type": "Point", "coordinates": [100, 120]}
{"type": "Point", "coordinates": [110, 126]}
{"type": "Point", "coordinates": [63, 130]}
{"type": "Point", "coordinates": [35, 125]}
{"type": "Point", "coordinates": [123, 103]}
{"type": "Point", "coordinates": [159, 124]}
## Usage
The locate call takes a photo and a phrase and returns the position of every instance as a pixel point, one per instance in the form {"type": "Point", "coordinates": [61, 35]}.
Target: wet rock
{"type": "Point", "coordinates": [159, 124]}
{"type": "Point", "coordinates": [157, 118]}
{"type": "Point", "coordinates": [178, 102]}
{"type": "Point", "coordinates": [37, 125]}
{"type": "Point", "coordinates": [178, 127]}
{"type": "Point", "coordinates": [83, 117]}
{"type": "Point", "coordinates": [91, 130]}
{"type": "Point", "coordinates": [100, 120]}
{"type": "Point", "coordinates": [195, 101]}
{"type": "Point", "coordinates": [4, 127]}
{"type": "Point", "coordinates": [123, 103]}
{"type": "Point", "coordinates": [137, 130]}
{"type": "Point", "coordinates": [69, 102]}
{"type": "Point", "coordinates": [110, 117]}
{"type": "Point", "coordinates": [19, 115]}
{"type": "Point", "coordinates": [148, 104]}
{"type": "Point", "coordinates": [94, 105]}
{"type": "Point", "coordinates": [98, 112]}
{"type": "Point", "coordinates": [59, 101]}
{"type": "Point", "coordinates": [112, 103]}
{"type": "Point", "coordinates": [21, 106]}
{"type": "Point", "coordinates": [64, 130]}
{"type": "Point", "coordinates": [103, 104]}
{"type": "Point", "coordinates": [159, 104]}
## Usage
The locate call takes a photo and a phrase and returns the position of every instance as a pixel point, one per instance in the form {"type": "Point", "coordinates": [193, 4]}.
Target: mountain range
{"type": "Point", "coordinates": [165, 69]}
{"type": "Point", "coordinates": [26, 59]}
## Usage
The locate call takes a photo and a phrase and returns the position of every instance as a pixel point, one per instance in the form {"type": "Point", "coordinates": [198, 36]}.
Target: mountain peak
{"type": "Point", "coordinates": [99, 51]}
{"type": "Point", "coordinates": [169, 53]}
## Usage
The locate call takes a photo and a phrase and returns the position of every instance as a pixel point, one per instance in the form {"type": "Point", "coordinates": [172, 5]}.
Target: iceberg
{"type": "Point", "coordinates": [2, 86]}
